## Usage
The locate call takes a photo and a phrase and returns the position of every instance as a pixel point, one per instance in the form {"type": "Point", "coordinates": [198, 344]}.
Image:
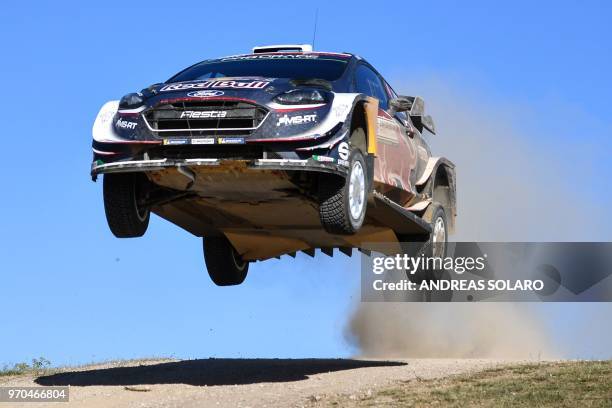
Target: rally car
{"type": "Point", "coordinates": [269, 153]}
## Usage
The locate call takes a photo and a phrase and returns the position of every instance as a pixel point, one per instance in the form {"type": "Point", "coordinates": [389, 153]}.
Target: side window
{"type": "Point", "coordinates": [368, 82]}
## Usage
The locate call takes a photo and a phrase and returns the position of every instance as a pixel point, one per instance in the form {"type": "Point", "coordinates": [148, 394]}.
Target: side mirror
{"type": "Point", "coordinates": [428, 124]}
{"type": "Point", "coordinates": [400, 104]}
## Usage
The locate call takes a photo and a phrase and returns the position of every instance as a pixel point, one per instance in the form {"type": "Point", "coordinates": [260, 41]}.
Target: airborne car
{"type": "Point", "coordinates": [269, 153]}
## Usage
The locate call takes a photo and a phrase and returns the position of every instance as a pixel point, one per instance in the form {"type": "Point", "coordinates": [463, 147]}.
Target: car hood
{"type": "Point", "coordinates": [256, 89]}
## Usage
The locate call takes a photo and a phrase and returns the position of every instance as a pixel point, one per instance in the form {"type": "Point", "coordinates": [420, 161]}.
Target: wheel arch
{"type": "Point", "coordinates": [364, 115]}
{"type": "Point", "coordinates": [438, 183]}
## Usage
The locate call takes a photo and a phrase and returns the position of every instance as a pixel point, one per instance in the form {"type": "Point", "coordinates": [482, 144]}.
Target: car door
{"type": "Point", "coordinates": [396, 153]}
{"type": "Point", "coordinates": [415, 139]}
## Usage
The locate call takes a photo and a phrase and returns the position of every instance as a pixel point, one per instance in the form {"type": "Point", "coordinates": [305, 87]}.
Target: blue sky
{"type": "Point", "coordinates": [73, 293]}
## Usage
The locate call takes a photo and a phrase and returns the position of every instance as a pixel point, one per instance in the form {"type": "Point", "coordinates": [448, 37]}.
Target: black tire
{"type": "Point", "coordinates": [225, 266]}
{"type": "Point", "coordinates": [436, 245]}
{"type": "Point", "coordinates": [334, 198]}
{"type": "Point", "coordinates": [122, 193]}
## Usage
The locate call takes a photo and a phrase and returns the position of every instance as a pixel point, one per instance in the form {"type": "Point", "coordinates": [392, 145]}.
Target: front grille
{"type": "Point", "coordinates": [235, 152]}
{"type": "Point", "coordinates": [197, 118]}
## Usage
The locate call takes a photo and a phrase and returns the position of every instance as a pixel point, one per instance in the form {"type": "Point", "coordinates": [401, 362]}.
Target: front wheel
{"type": "Point", "coordinates": [225, 266]}
{"type": "Point", "coordinates": [124, 194]}
{"type": "Point", "coordinates": [343, 204]}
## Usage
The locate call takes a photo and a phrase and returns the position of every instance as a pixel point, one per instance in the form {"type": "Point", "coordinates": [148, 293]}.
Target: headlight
{"type": "Point", "coordinates": [131, 101]}
{"type": "Point", "coordinates": [301, 97]}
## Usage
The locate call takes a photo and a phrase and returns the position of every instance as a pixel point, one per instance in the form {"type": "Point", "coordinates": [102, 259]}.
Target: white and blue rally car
{"type": "Point", "coordinates": [265, 154]}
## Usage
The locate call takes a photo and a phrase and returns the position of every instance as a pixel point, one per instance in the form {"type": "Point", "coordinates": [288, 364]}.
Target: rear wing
{"type": "Point", "coordinates": [417, 114]}
{"type": "Point", "coordinates": [282, 47]}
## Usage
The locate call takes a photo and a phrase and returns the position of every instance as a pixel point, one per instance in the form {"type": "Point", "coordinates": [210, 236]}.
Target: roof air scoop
{"type": "Point", "coordinates": [282, 48]}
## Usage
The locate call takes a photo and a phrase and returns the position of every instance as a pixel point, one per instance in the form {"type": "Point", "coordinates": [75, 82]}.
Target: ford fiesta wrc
{"type": "Point", "coordinates": [274, 152]}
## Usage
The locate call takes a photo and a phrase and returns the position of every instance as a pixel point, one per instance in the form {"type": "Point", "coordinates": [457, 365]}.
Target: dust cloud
{"type": "Point", "coordinates": [449, 330]}
{"type": "Point", "coordinates": [509, 188]}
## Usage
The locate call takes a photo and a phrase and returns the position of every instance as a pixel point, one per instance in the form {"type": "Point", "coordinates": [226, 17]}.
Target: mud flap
{"type": "Point", "coordinates": [371, 111]}
{"type": "Point", "coordinates": [370, 159]}
{"type": "Point", "coordinates": [400, 220]}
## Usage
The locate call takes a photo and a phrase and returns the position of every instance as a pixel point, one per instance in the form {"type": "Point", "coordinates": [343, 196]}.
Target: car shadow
{"type": "Point", "coordinates": [210, 372]}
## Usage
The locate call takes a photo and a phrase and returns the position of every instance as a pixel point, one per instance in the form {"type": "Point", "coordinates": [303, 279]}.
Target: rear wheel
{"type": "Point", "coordinates": [224, 264]}
{"type": "Point", "coordinates": [435, 246]}
{"type": "Point", "coordinates": [343, 202]}
{"type": "Point", "coordinates": [438, 239]}
{"type": "Point", "coordinates": [123, 197]}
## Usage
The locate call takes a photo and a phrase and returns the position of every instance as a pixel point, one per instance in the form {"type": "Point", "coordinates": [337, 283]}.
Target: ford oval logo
{"type": "Point", "coordinates": [205, 94]}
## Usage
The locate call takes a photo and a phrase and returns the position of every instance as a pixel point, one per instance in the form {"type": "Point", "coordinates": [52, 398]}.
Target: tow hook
{"type": "Point", "coordinates": [187, 172]}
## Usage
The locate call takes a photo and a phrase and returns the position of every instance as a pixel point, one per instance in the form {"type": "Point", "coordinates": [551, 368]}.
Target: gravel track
{"type": "Point", "coordinates": [238, 382]}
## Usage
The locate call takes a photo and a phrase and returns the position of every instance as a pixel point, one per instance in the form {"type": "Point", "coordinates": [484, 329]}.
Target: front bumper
{"type": "Point", "coordinates": [309, 165]}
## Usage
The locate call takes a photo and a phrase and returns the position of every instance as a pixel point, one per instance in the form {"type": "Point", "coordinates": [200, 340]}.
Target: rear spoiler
{"type": "Point", "coordinates": [417, 114]}
{"type": "Point", "coordinates": [282, 47]}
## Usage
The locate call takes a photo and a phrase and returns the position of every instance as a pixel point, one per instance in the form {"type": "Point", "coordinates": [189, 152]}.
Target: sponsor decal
{"type": "Point", "coordinates": [175, 141]}
{"type": "Point", "coordinates": [231, 84]}
{"type": "Point", "coordinates": [230, 140]}
{"type": "Point", "coordinates": [106, 116]}
{"type": "Point", "coordinates": [323, 158]}
{"type": "Point", "coordinates": [205, 94]}
{"type": "Point", "coordinates": [124, 124]}
{"type": "Point", "coordinates": [203, 141]}
{"type": "Point", "coordinates": [343, 151]}
{"type": "Point", "coordinates": [203, 114]}
{"type": "Point", "coordinates": [344, 163]}
{"type": "Point", "coordinates": [270, 56]}
{"type": "Point", "coordinates": [388, 131]}
{"type": "Point", "coordinates": [296, 120]}
{"type": "Point", "coordinates": [340, 111]}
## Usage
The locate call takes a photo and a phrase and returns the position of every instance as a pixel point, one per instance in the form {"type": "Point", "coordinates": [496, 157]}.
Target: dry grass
{"type": "Point", "coordinates": [563, 384]}
{"type": "Point", "coordinates": [38, 365]}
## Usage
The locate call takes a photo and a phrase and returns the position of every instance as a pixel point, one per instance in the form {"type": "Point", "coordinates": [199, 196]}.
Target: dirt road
{"type": "Point", "coordinates": [238, 382]}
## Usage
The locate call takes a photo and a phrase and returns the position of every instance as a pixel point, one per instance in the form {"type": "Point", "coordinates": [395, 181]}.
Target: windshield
{"type": "Point", "coordinates": [266, 66]}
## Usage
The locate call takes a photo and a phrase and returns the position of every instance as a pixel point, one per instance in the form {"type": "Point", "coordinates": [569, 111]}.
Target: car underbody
{"type": "Point", "coordinates": [266, 207]}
